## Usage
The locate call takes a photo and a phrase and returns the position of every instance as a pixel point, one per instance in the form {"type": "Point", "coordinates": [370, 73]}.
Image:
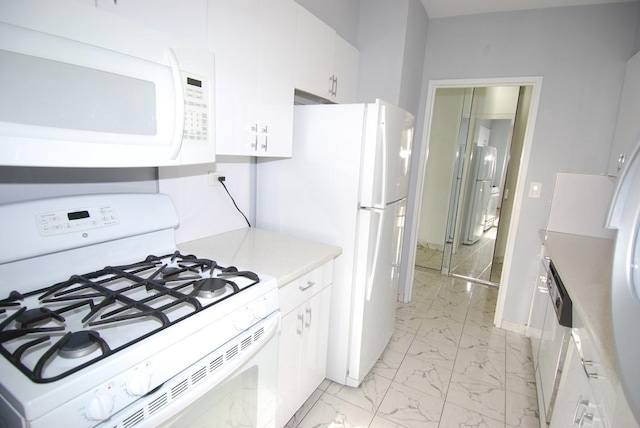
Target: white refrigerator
{"type": "Point", "coordinates": [346, 185]}
{"type": "Point", "coordinates": [482, 169]}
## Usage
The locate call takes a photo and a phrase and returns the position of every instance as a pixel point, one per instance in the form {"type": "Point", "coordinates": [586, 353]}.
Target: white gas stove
{"type": "Point", "coordinates": [103, 322]}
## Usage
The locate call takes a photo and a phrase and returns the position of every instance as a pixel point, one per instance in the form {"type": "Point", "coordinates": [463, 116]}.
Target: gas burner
{"type": "Point", "coordinates": [170, 272]}
{"type": "Point", "coordinates": [79, 344]}
{"type": "Point", "coordinates": [210, 288]}
{"type": "Point", "coordinates": [32, 318]}
{"type": "Point", "coordinates": [94, 315]}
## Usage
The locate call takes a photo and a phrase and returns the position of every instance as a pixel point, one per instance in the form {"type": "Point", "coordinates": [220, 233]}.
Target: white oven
{"type": "Point", "coordinates": [103, 323]}
{"type": "Point", "coordinates": [233, 386]}
{"type": "Point", "coordinates": [85, 88]}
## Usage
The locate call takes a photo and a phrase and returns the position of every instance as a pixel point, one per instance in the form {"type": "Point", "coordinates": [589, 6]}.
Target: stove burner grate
{"type": "Point", "coordinates": [147, 290]}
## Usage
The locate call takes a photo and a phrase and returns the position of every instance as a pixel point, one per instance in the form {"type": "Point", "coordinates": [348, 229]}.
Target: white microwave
{"type": "Point", "coordinates": [80, 87]}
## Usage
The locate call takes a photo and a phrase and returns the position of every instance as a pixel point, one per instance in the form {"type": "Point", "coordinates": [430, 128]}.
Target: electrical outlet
{"type": "Point", "coordinates": [212, 178]}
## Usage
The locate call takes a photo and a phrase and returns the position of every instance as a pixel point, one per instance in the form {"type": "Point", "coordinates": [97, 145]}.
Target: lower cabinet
{"type": "Point", "coordinates": [576, 404]}
{"type": "Point", "coordinates": [305, 305]}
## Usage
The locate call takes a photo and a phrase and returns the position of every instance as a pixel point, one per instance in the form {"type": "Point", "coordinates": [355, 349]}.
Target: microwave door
{"type": "Point", "coordinates": [77, 99]}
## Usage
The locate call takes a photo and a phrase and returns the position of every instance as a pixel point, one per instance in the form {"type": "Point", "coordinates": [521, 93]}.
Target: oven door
{"type": "Point", "coordinates": [234, 385]}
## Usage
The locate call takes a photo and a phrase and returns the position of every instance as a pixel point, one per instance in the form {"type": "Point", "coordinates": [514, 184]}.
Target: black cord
{"type": "Point", "coordinates": [221, 180]}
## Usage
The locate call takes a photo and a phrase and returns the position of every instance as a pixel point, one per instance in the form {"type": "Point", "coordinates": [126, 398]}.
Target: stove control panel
{"type": "Point", "coordinates": [76, 220]}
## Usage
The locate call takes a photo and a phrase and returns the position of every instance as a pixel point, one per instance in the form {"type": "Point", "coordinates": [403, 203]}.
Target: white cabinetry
{"type": "Point", "coordinates": [576, 404]}
{"type": "Point", "coordinates": [305, 305]}
{"type": "Point", "coordinates": [326, 64]}
{"type": "Point", "coordinates": [254, 45]}
{"type": "Point", "coordinates": [186, 19]}
{"type": "Point", "coordinates": [627, 132]}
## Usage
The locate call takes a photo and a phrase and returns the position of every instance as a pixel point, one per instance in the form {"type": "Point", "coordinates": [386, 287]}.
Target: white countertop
{"type": "Point", "coordinates": [584, 264]}
{"type": "Point", "coordinates": [283, 257]}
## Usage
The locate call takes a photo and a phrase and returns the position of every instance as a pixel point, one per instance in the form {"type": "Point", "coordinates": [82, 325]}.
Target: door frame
{"type": "Point", "coordinates": [536, 83]}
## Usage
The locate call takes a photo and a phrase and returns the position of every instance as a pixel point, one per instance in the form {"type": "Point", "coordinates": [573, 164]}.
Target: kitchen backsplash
{"type": "Point", "coordinates": [580, 204]}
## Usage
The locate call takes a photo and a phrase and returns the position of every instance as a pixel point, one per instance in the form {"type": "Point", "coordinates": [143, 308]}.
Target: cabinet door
{"type": "Point", "coordinates": [575, 404]}
{"type": "Point", "coordinates": [277, 45]}
{"type": "Point", "coordinates": [627, 133]}
{"type": "Point", "coordinates": [313, 361]}
{"type": "Point", "coordinates": [289, 366]}
{"type": "Point", "coordinates": [314, 55]}
{"type": "Point", "coordinates": [233, 36]}
{"type": "Point", "coordinates": [186, 19]}
{"type": "Point", "coordinates": [346, 62]}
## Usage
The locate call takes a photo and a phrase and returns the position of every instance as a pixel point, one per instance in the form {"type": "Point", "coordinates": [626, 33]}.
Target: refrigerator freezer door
{"type": "Point", "coordinates": [385, 155]}
{"type": "Point", "coordinates": [375, 287]}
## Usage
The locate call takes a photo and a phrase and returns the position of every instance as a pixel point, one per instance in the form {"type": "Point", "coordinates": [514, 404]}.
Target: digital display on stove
{"type": "Point", "coordinates": [78, 215]}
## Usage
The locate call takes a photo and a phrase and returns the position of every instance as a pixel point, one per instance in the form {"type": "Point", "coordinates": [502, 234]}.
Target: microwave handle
{"type": "Point", "coordinates": [178, 89]}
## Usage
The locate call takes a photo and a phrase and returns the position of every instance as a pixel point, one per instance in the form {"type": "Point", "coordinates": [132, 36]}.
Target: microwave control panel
{"type": "Point", "coordinates": [196, 108]}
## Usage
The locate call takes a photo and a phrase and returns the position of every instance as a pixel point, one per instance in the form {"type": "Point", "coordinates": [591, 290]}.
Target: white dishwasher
{"type": "Point", "coordinates": [553, 345]}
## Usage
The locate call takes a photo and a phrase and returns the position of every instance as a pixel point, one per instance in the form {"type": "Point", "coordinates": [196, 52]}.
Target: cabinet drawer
{"type": "Point", "coordinates": [299, 290]}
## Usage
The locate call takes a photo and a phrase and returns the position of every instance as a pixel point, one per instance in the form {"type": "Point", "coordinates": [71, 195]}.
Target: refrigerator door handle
{"type": "Point", "coordinates": [376, 251]}
{"type": "Point", "coordinates": [383, 135]}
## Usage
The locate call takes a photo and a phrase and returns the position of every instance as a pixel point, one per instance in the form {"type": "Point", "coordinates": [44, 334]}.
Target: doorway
{"type": "Point", "coordinates": [475, 141]}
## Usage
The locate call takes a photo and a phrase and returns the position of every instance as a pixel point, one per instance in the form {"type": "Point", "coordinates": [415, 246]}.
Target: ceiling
{"type": "Point", "coordinates": [444, 8]}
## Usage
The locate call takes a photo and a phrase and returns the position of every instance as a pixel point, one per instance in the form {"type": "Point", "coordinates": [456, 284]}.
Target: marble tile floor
{"type": "Point", "coordinates": [446, 366]}
{"type": "Point", "coordinates": [470, 260]}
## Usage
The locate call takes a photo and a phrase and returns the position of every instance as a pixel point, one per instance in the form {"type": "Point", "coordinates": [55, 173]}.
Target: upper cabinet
{"type": "Point", "coordinates": [186, 19]}
{"type": "Point", "coordinates": [326, 64]}
{"type": "Point", "coordinates": [627, 132]}
{"type": "Point", "coordinates": [254, 45]}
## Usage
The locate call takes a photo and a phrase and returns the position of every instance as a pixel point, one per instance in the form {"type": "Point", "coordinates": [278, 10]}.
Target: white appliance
{"type": "Point", "coordinates": [482, 168]}
{"type": "Point", "coordinates": [104, 323]}
{"type": "Point", "coordinates": [347, 185]}
{"type": "Point", "coordinates": [624, 215]}
{"type": "Point", "coordinates": [492, 208]}
{"type": "Point", "coordinates": [550, 350]}
{"type": "Point", "coordinates": [85, 88]}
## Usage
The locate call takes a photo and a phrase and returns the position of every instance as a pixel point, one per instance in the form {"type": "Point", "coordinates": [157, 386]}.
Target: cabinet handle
{"type": "Point", "coordinates": [308, 322]}
{"type": "Point", "coordinates": [586, 364]}
{"type": "Point", "coordinates": [335, 89]}
{"type": "Point", "coordinates": [589, 363]}
{"type": "Point", "coordinates": [331, 82]}
{"type": "Point", "coordinates": [586, 416]}
{"type": "Point", "coordinates": [309, 284]}
{"type": "Point", "coordinates": [584, 404]}
{"type": "Point", "coordinates": [621, 160]}
{"type": "Point", "coordinates": [254, 129]}
{"type": "Point", "coordinates": [266, 138]}
{"type": "Point", "coordinates": [301, 320]}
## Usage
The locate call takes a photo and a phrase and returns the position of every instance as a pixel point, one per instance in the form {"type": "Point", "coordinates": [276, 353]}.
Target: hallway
{"type": "Point", "coordinates": [446, 366]}
{"type": "Point", "coordinates": [470, 260]}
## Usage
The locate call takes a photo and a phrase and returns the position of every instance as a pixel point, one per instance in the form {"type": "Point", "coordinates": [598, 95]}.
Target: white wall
{"type": "Point", "coordinates": [391, 40]}
{"type": "Point", "coordinates": [24, 183]}
{"type": "Point", "coordinates": [580, 52]}
{"type": "Point", "coordinates": [204, 209]}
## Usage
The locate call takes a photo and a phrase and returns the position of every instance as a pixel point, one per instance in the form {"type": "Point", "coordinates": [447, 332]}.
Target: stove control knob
{"type": "Point", "coordinates": [242, 320]}
{"type": "Point", "coordinates": [260, 310]}
{"type": "Point", "coordinates": [139, 383]}
{"type": "Point", "coordinates": [99, 408]}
